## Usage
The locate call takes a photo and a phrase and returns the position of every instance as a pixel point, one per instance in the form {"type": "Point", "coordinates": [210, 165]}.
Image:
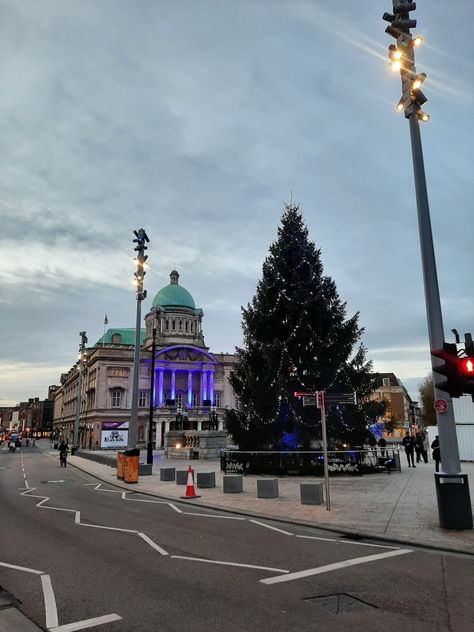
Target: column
{"type": "Point", "coordinates": [203, 386]}
{"type": "Point", "coordinates": [211, 387]}
{"type": "Point", "coordinates": [167, 426]}
{"type": "Point", "coordinates": [158, 442]}
{"type": "Point", "coordinates": [199, 425]}
{"type": "Point", "coordinates": [190, 389]}
{"type": "Point", "coordinates": [220, 424]}
{"type": "Point", "coordinates": [160, 387]}
{"type": "Point", "coordinates": [173, 384]}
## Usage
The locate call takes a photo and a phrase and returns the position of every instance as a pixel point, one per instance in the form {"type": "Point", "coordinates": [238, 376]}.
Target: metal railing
{"type": "Point", "coordinates": [311, 463]}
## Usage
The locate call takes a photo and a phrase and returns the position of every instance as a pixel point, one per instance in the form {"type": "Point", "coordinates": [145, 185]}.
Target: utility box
{"type": "Point", "coordinates": [454, 501]}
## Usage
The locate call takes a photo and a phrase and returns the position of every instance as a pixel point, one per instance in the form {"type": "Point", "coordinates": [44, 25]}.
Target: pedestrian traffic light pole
{"type": "Point", "coordinates": [141, 239]}
{"type": "Point", "coordinates": [149, 447]}
{"type": "Point", "coordinates": [82, 355]}
{"type": "Point", "coordinates": [402, 57]}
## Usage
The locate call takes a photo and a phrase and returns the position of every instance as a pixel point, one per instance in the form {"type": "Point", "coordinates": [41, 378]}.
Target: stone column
{"type": "Point", "coordinates": [160, 387]}
{"type": "Point", "coordinates": [190, 389]}
{"type": "Point", "coordinates": [199, 425]}
{"type": "Point", "coordinates": [203, 385]}
{"type": "Point", "coordinates": [211, 387]}
{"type": "Point", "coordinates": [158, 443]}
{"type": "Point", "coordinates": [173, 384]}
{"type": "Point", "coordinates": [167, 426]}
{"type": "Point", "coordinates": [220, 424]}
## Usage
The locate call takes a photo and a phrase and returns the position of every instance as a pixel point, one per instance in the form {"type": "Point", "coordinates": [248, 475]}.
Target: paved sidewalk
{"type": "Point", "coordinates": [400, 506]}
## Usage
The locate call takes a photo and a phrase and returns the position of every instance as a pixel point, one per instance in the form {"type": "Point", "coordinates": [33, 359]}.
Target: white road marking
{"type": "Point", "coordinates": [268, 526]}
{"type": "Point", "coordinates": [379, 546]}
{"type": "Point", "coordinates": [87, 623]}
{"type": "Point", "coordinates": [60, 481]}
{"type": "Point", "coordinates": [203, 515]}
{"type": "Point", "coordinates": [200, 559]}
{"type": "Point", "coordinates": [21, 568]}
{"type": "Point", "coordinates": [49, 602]}
{"type": "Point", "coordinates": [153, 544]}
{"type": "Point", "coordinates": [99, 526]}
{"type": "Point", "coordinates": [333, 567]}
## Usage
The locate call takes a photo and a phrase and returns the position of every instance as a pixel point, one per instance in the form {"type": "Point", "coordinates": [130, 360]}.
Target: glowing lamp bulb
{"type": "Point", "coordinates": [397, 54]}
{"type": "Point", "coordinates": [396, 65]}
{"type": "Point", "coordinates": [424, 117]}
{"type": "Point", "coordinates": [418, 41]}
{"type": "Point", "coordinates": [399, 106]}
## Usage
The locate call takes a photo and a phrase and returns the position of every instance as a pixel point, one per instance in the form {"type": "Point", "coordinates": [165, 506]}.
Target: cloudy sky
{"type": "Point", "coordinates": [195, 119]}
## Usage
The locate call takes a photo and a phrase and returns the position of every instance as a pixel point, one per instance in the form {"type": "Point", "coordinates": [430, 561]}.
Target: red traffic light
{"type": "Point", "coordinates": [467, 366]}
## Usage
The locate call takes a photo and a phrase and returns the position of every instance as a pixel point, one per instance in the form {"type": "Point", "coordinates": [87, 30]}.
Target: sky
{"type": "Point", "coordinates": [197, 120]}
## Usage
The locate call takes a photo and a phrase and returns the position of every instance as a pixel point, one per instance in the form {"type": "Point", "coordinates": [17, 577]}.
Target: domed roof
{"type": "Point", "coordinates": [173, 295]}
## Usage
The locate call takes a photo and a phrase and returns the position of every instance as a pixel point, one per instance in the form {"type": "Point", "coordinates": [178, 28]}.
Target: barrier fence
{"type": "Point", "coordinates": [311, 463]}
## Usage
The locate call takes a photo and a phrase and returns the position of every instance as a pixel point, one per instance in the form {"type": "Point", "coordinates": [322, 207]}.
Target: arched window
{"type": "Point", "coordinates": [173, 325]}
{"type": "Point", "coordinates": [187, 325]}
{"type": "Point", "coordinates": [167, 324]}
{"type": "Point", "coordinates": [180, 325]}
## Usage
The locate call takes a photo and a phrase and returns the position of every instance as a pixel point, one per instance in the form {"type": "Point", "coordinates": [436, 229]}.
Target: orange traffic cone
{"type": "Point", "coordinates": [190, 491]}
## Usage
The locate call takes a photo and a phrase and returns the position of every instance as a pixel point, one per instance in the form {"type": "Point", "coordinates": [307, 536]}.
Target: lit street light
{"type": "Point", "coordinates": [452, 488]}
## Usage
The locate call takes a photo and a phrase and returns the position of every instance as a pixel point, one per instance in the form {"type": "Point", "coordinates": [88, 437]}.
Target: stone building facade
{"type": "Point", "coordinates": [187, 385]}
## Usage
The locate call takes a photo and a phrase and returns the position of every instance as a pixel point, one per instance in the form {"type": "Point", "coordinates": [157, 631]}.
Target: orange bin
{"type": "Point", "coordinates": [130, 465]}
{"type": "Point", "coordinates": [120, 463]}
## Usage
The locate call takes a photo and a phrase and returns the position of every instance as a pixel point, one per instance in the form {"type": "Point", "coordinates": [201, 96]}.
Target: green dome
{"type": "Point", "coordinates": [173, 295]}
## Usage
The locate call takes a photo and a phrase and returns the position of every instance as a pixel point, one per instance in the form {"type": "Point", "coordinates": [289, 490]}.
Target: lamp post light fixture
{"type": "Point", "coordinates": [81, 358]}
{"type": "Point", "coordinates": [149, 447]}
{"type": "Point", "coordinates": [454, 505]}
{"type": "Point", "coordinates": [141, 238]}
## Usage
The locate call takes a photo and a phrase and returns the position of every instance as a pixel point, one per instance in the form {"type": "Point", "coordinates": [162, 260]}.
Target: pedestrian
{"type": "Point", "coordinates": [409, 445]}
{"type": "Point", "coordinates": [426, 447]}
{"type": "Point", "coordinates": [436, 453]}
{"type": "Point", "coordinates": [382, 446]}
{"type": "Point", "coordinates": [373, 445]}
{"type": "Point", "coordinates": [418, 446]}
{"type": "Point", "coordinates": [63, 450]}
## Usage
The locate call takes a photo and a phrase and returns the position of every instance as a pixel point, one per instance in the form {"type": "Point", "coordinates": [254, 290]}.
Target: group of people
{"type": "Point", "coordinates": [418, 446]}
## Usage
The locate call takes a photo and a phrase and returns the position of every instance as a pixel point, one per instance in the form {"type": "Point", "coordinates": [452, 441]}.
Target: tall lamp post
{"type": "Point", "coordinates": [149, 447]}
{"type": "Point", "coordinates": [141, 239]}
{"type": "Point", "coordinates": [452, 488]}
{"type": "Point", "coordinates": [82, 355]}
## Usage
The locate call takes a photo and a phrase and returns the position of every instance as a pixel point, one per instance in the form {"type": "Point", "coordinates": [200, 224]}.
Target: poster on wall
{"type": "Point", "coordinates": [114, 434]}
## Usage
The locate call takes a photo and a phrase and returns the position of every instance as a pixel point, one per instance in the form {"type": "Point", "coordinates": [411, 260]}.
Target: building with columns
{"type": "Point", "coordinates": [188, 391]}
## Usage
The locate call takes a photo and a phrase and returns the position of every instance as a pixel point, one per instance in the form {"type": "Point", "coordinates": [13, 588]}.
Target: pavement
{"type": "Point", "coordinates": [398, 507]}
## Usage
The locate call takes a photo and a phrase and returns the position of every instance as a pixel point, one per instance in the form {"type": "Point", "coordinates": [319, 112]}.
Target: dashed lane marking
{"type": "Point", "coordinates": [268, 526]}
{"type": "Point", "coordinates": [153, 545]}
{"type": "Point", "coordinates": [21, 568]}
{"type": "Point", "coordinates": [339, 541]}
{"type": "Point", "coordinates": [332, 567]}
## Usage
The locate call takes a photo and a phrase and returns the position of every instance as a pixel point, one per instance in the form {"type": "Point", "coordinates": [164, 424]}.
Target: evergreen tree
{"type": "Point", "coordinates": [296, 338]}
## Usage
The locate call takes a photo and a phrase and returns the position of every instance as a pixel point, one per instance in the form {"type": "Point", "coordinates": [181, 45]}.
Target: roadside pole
{"type": "Point", "coordinates": [322, 406]}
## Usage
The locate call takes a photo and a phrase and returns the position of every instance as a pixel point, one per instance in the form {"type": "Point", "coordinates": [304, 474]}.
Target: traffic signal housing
{"type": "Point", "coordinates": [450, 368]}
{"type": "Point", "coordinates": [467, 375]}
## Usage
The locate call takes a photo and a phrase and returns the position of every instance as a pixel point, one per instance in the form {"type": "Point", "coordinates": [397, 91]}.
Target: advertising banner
{"type": "Point", "coordinates": [114, 434]}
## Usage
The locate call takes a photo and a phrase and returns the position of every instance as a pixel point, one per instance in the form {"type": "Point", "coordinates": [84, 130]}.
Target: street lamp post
{"type": "Point", "coordinates": [82, 348]}
{"type": "Point", "coordinates": [149, 447]}
{"type": "Point", "coordinates": [454, 505]}
{"type": "Point", "coordinates": [140, 239]}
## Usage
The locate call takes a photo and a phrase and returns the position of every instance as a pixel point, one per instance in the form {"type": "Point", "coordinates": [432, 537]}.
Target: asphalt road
{"type": "Point", "coordinates": [127, 562]}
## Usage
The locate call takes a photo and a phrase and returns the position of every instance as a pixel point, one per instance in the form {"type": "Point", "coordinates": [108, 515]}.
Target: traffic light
{"type": "Point", "coordinates": [467, 367]}
{"type": "Point", "coordinates": [450, 368]}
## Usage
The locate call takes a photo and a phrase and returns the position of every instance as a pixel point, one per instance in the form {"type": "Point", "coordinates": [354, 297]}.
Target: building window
{"type": "Point", "coordinates": [386, 381]}
{"type": "Point", "coordinates": [195, 400]}
{"type": "Point", "coordinates": [167, 324]}
{"type": "Point", "coordinates": [116, 339]}
{"type": "Point", "coordinates": [192, 327]}
{"type": "Point", "coordinates": [187, 326]}
{"type": "Point", "coordinates": [116, 398]}
{"type": "Point", "coordinates": [173, 325]}
{"type": "Point", "coordinates": [217, 399]}
{"type": "Point", "coordinates": [180, 325]}
{"type": "Point", "coordinates": [141, 433]}
{"type": "Point", "coordinates": [142, 399]}
{"type": "Point", "coordinates": [179, 400]}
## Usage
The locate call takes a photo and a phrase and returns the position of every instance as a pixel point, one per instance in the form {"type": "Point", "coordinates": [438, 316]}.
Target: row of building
{"type": "Point", "coordinates": [187, 383]}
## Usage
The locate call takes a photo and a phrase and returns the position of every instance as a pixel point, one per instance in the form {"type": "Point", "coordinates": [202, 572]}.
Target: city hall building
{"type": "Point", "coordinates": [188, 385]}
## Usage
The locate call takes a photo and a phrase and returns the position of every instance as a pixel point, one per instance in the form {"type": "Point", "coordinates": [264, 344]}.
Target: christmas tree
{"type": "Point", "coordinates": [296, 338]}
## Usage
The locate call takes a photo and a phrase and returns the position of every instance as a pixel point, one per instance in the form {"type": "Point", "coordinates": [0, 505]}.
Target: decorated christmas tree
{"type": "Point", "coordinates": [296, 339]}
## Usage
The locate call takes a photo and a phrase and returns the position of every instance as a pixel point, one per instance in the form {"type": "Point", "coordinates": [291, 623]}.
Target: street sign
{"type": "Point", "coordinates": [441, 406]}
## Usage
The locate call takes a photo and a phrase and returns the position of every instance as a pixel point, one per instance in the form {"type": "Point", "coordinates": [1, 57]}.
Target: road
{"type": "Point", "coordinates": [80, 554]}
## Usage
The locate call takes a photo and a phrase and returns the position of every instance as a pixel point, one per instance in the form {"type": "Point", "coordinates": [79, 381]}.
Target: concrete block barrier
{"type": "Point", "coordinates": [312, 493]}
{"type": "Point", "coordinates": [232, 483]}
{"type": "Point", "coordinates": [167, 473]}
{"type": "Point", "coordinates": [182, 477]}
{"type": "Point", "coordinates": [206, 479]}
{"type": "Point", "coordinates": [267, 488]}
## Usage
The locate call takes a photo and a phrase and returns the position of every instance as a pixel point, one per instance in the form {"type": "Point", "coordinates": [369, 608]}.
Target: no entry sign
{"type": "Point", "coordinates": [441, 405]}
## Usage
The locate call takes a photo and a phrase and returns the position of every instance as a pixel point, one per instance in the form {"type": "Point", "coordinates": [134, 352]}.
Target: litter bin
{"type": "Point", "coordinates": [130, 465]}
{"type": "Point", "coordinates": [120, 462]}
{"type": "Point", "coordinates": [454, 501]}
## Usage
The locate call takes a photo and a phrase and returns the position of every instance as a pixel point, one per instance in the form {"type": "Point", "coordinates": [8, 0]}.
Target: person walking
{"type": "Point", "coordinates": [409, 445]}
{"type": "Point", "coordinates": [382, 446]}
{"type": "Point", "coordinates": [426, 447]}
{"type": "Point", "coordinates": [63, 449]}
{"type": "Point", "coordinates": [418, 446]}
{"type": "Point", "coordinates": [436, 453]}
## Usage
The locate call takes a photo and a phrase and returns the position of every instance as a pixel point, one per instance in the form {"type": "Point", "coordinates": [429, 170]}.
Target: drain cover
{"type": "Point", "coordinates": [340, 603]}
